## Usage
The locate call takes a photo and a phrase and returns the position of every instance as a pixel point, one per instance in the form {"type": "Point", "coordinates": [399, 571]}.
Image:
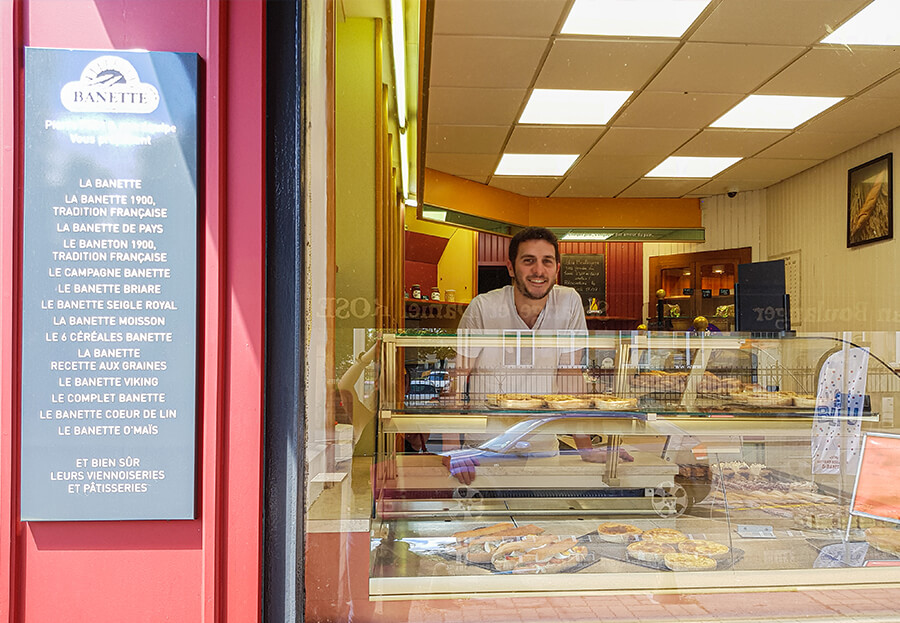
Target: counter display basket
{"type": "Point", "coordinates": [620, 460]}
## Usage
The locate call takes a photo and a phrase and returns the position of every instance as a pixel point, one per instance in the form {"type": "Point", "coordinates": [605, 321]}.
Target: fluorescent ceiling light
{"type": "Point", "coordinates": [434, 215]}
{"type": "Point", "coordinates": [691, 166]}
{"type": "Point", "coordinates": [774, 112]}
{"type": "Point", "coordinates": [535, 164]}
{"type": "Point", "coordinates": [585, 235]}
{"type": "Point", "coordinates": [632, 18]}
{"type": "Point", "coordinates": [874, 25]}
{"type": "Point", "coordinates": [572, 107]}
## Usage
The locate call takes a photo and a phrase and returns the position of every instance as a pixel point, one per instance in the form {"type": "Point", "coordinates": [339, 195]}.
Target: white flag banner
{"type": "Point", "coordinates": [840, 398]}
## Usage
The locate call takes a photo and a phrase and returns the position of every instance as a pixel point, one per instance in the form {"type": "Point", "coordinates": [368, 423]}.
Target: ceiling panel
{"type": "Point", "coordinates": [890, 87]}
{"type": "Point", "coordinates": [461, 106]}
{"type": "Point", "coordinates": [602, 64]}
{"type": "Point", "coordinates": [476, 139]}
{"type": "Point", "coordinates": [514, 18]}
{"type": "Point", "coordinates": [676, 110]}
{"type": "Point", "coordinates": [594, 165]}
{"type": "Point", "coordinates": [723, 67]}
{"type": "Point", "coordinates": [723, 142]}
{"type": "Point", "coordinates": [530, 139]}
{"type": "Point", "coordinates": [721, 186]}
{"type": "Point", "coordinates": [817, 145]}
{"type": "Point", "coordinates": [767, 168]}
{"type": "Point", "coordinates": [595, 186]}
{"type": "Point", "coordinates": [869, 116]}
{"type": "Point", "coordinates": [647, 187]}
{"type": "Point", "coordinates": [779, 22]}
{"type": "Point", "coordinates": [834, 71]}
{"type": "Point", "coordinates": [459, 61]}
{"type": "Point", "coordinates": [641, 141]}
{"type": "Point", "coordinates": [527, 186]}
{"type": "Point", "coordinates": [463, 165]}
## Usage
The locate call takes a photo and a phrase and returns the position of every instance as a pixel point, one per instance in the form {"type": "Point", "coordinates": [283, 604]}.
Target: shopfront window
{"type": "Point", "coordinates": [646, 467]}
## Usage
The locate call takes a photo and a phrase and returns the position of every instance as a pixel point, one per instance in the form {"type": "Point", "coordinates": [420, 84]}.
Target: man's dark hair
{"type": "Point", "coordinates": [532, 233]}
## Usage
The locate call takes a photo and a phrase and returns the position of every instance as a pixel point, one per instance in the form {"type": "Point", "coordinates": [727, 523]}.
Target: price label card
{"type": "Point", "coordinates": [687, 291]}
{"type": "Point", "coordinates": [707, 294]}
{"type": "Point", "coordinates": [751, 531]}
{"type": "Point", "coordinates": [724, 292]}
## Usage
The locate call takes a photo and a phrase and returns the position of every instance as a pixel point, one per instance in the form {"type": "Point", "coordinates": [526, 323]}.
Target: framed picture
{"type": "Point", "coordinates": [870, 201]}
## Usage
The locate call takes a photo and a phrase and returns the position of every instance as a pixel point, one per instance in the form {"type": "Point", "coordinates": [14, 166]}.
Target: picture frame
{"type": "Point", "coordinates": [870, 201]}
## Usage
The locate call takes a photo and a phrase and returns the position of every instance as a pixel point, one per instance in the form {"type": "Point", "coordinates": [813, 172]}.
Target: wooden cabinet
{"type": "Point", "coordinates": [695, 284]}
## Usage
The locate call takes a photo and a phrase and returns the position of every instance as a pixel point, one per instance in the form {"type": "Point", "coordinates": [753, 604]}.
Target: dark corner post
{"type": "Point", "coordinates": [284, 451]}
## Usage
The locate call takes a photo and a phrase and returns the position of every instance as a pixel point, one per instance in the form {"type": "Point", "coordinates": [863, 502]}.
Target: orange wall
{"type": "Point", "coordinates": [455, 193]}
{"type": "Point", "coordinates": [194, 571]}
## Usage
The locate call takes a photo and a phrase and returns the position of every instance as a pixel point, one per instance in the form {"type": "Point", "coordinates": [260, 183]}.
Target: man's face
{"type": "Point", "coordinates": [535, 269]}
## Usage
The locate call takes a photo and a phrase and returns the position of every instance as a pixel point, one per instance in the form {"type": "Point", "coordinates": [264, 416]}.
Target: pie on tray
{"type": "Point", "coordinates": [648, 551]}
{"type": "Point", "coordinates": [613, 403]}
{"type": "Point", "coordinates": [565, 402]}
{"type": "Point", "coordinates": [711, 549]}
{"type": "Point", "coordinates": [618, 532]}
{"type": "Point", "coordinates": [664, 535]}
{"type": "Point", "coordinates": [519, 401]}
{"type": "Point", "coordinates": [689, 562]}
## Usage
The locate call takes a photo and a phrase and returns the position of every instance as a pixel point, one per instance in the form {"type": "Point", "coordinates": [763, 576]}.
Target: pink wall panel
{"type": "Point", "coordinates": [203, 570]}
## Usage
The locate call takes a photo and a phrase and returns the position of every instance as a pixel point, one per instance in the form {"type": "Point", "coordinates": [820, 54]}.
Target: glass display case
{"type": "Point", "coordinates": [630, 460]}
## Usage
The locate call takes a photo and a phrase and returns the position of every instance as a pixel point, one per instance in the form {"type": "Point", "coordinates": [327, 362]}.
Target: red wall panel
{"type": "Point", "coordinates": [203, 570]}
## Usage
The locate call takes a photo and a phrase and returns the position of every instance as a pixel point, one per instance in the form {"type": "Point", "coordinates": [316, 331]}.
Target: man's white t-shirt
{"type": "Point", "coordinates": [516, 365]}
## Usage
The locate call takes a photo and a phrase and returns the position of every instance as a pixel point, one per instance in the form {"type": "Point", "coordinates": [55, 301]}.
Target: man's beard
{"type": "Point", "coordinates": [522, 286]}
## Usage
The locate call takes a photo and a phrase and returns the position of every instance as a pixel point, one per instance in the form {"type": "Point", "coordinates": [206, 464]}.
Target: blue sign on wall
{"type": "Point", "coordinates": [109, 297]}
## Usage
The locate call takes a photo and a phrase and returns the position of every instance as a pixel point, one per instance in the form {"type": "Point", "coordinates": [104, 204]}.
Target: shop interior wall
{"type": "Point", "coordinates": [456, 266]}
{"type": "Point", "coordinates": [206, 569]}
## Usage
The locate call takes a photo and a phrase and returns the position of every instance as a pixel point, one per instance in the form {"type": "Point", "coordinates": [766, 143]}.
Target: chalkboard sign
{"type": "Point", "coordinates": [587, 274]}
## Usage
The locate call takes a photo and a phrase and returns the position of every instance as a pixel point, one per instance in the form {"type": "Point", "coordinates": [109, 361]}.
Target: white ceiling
{"type": "Point", "coordinates": [487, 56]}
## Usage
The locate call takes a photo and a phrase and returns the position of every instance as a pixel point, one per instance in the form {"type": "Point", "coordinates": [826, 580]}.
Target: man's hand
{"type": "Point", "coordinates": [461, 467]}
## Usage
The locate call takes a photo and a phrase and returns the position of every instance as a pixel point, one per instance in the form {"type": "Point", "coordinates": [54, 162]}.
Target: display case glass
{"type": "Point", "coordinates": [608, 461]}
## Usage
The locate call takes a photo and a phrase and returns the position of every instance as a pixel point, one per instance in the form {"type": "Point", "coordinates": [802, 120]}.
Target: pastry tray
{"type": "Point", "coordinates": [593, 556]}
{"type": "Point", "coordinates": [617, 551]}
{"type": "Point", "coordinates": [833, 554]}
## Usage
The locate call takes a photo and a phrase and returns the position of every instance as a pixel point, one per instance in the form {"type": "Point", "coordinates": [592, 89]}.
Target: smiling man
{"type": "Point", "coordinates": [534, 302]}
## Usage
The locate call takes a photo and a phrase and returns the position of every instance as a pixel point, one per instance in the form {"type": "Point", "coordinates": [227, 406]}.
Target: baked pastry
{"type": "Point", "coordinates": [618, 532]}
{"type": "Point", "coordinates": [805, 402]}
{"type": "Point", "coordinates": [664, 535]}
{"type": "Point", "coordinates": [520, 401]}
{"type": "Point", "coordinates": [689, 562]}
{"type": "Point", "coordinates": [465, 535]}
{"type": "Point", "coordinates": [535, 550]}
{"type": "Point", "coordinates": [565, 402]}
{"type": "Point", "coordinates": [647, 551]}
{"type": "Point", "coordinates": [711, 549]}
{"type": "Point", "coordinates": [482, 549]}
{"type": "Point", "coordinates": [612, 403]}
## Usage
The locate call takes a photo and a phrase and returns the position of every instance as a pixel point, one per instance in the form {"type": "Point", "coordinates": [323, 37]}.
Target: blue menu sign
{"type": "Point", "coordinates": [109, 295]}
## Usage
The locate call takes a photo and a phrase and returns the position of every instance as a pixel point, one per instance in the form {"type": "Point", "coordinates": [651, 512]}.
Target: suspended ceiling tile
{"type": "Point", "coordinates": [481, 179]}
{"type": "Point", "coordinates": [676, 110]}
{"type": "Point", "coordinates": [834, 71]}
{"type": "Point", "coordinates": [463, 165]}
{"type": "Point", "coordinates": [889, 88]}
{"type": "Point", "coordinates": [462, 106]}
{"type": "Point", "coordinates": [458, 61]}
{"type": "Point", "coordinates": [595, 165]}
{"type": "Point", "coordinates": [765, 169]}
{"type": "Point", "coordinates": [593, 186]}
{"type": "Point", "coordinates": [654, 187]}
{"type": "Point", "coordinates": [527, 186]}
{"type": "Point", "coordinates": [818, 145]}
{"type": "Point", "coordinates": [722, 186]}
{"type": "Point", "coordinates": [641, 141]}
{"type": "Point", "coordinates": [718, 142]}
{"type": "Point", "coordinates": [515, 18]}
{"type": "Point", "coordinates": [476, 139]}
{"type": "Point", "coordinates": [872, 116]}
{"type": "Point", "coordinates": [527, 139]}
{"type": "Point", "coordinates": [778, 22]}
{"type": "Point", "coordinates": [602, 64]}
{"type": "Point", "coordinates": [722, 67]}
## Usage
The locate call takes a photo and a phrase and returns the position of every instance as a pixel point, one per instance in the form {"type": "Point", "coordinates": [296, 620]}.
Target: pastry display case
{"type": "Point", "coordinates": [638, 458]}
